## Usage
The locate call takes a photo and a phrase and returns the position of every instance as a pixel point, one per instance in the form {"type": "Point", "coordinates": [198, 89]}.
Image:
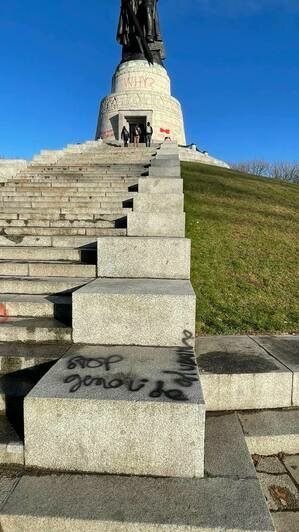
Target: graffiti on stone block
{"type": "Point", "coordinates": [4, 317]}
{"type": "Point", "coordinates": [169, 384]}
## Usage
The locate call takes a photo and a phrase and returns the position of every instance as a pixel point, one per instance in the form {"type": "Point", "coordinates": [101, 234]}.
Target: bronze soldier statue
{"type": "Point", "coordinates": [139, 31]}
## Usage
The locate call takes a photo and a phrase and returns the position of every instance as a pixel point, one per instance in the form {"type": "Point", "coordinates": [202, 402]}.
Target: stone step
{"type": "Point", "coordinates": [106, 503]}
{"type": "Point", "coordinates": [46, 269]}
{"type": "Point", "coordinates": [238, 374]}
{"type": "Point", "coordinates": [270, 432]}
{"type": "Point", "coordinates": [152, 258]}
{"type": "Point", "coordinates": [26, 305]}
{"type": "Point", "coordinates": [75, 224]}
{"type": "Point", "coordinates": [68, 197]}
{"type": "Point", "coordinates": [11, 232]}
{"type": "Point", "coordinates": [16, 357]}
{"type": "Point", "coordinates": [44, 330]}
{"type": "Point", "coordinates": [40, 285]}
{"type": "Point", "coordinates": [156, 224]}
{"type": "Point", "coordinates": [11, 447]}
{"type": "Point", "coordinates": [149, 312]}
{"type": "Point", "coordinates": [159, 203]}
{"type": "Point", "coordinates": [107, 204]}
{"type": "Point", "coordinates": [131, 408]}
{"type": "Point", "coordinates": [73, 213]}
{"type": "Point", "coordinates": [43, 254]}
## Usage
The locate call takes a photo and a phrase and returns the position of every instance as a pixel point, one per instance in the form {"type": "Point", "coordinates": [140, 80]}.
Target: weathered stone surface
{"type": "Point", "coordinates": [286, 350]}
{"type": "Point", "coordinates": [286, 521]}
{"type": "Point", "coordinates": [280, 492]}
{"type": "Point", "coordinates": [16, 356]}
{"type": "Point", "coordinates": [292, 465]}
{"type": "Point", "coordinates": [27, 305]}
{"type": "Point", "coordinates": [270, 464]}
{"type": "Point", "coordinates": [134, 504]}
{"type": "Point", "coordinates": [134, 83]}
{"type": "Point", "coordinates": [118, 410]}
{"type": "Point", "coordinates": [160, 185]}
{"type": "Point", "coordinates": [237, 374]}
{"type": "Point", "coordinates": [8, 481]}
{"type": "Point", "coordinates": [40, 285]}
{"type": "Point", "coordinates": [133, 312]}
{"type": "Point", "coordinates": [159, 203]}
{"type": "Point", "coordinates": [271, 432]}
{"type": "Point", "coordinates": [135, 257]}
{"type": "Point", "coordinates": [170, 161]}
{"type": "Point", "coordinates": [153, 224]}
{"type": "Point", "coordinates": [44, 330]}
{"type": "Point", "coordinates": [165, 171]}
{"type": "Point", "coordinates": [226, 453]}
{"type": "Point", "coordinates": [11, 447]}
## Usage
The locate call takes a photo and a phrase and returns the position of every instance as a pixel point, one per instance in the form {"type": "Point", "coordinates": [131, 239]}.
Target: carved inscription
{"type": "Point", "coordinates": [136, 82]}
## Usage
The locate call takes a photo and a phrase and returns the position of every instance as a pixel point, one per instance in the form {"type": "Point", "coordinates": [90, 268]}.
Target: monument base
{"type": "Point", "coordinates": [141, 93]}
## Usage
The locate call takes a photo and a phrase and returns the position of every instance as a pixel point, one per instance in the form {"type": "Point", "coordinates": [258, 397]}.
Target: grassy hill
{"type": "Point", "coordinates": [244, 232]}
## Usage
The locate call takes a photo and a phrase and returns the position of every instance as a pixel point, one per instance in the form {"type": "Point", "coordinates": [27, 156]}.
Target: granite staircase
{"type": "Point", "coordinates": [115, 432]}
{"type": "Point", "coordinates": [51, 215]}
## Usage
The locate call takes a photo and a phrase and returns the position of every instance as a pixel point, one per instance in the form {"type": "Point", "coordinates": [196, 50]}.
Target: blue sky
{"type": "Point", "coordinates": [234, 65]}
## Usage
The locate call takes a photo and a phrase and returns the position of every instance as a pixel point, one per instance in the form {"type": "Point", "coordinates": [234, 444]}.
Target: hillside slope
{"type": "Point", "coordinates": [244, 232]}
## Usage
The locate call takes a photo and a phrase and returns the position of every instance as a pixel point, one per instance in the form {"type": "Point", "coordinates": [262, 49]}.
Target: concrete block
{"type": "Point", "coordinates": [271, 432]}
{"type": "Point", "coordinates": [159, 203]}
{"type": "Point", "coordinates": [166, 162]}
{"type": "Point", "coordinates": [163, 171]}
{"type": "Point", "coordinates": [119, 410]}
{"type": "Point", "coordinates": [133, 312]}
{"type": "Point", "coordinates": [160, 185]}
{"type": "Point", "coordinates": [152, 224]}
{"type": "Point", "coordinates": [226, 452]}
{"type": "Point", "coordinates": [73, 503]}
{"type": "Point", "coordinates": [286, 350]}
{"type": "Point", "coordinates": [144, 257]}
{"type": "Point", "coordinates": [237, 374]}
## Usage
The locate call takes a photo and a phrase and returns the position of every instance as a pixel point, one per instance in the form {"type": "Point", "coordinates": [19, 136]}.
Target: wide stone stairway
{"type": "Point", "coordinates": [104, 424]}
{"type": "Point", "coordinates": [51, 215]}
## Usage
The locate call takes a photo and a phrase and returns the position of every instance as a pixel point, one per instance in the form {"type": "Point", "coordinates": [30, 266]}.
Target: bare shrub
{"type": "Point", "coordinates": [284, 170]}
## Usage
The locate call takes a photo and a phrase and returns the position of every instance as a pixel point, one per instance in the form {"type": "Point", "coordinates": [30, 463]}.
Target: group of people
{"type": "Point", "coordinates": [137, 132]}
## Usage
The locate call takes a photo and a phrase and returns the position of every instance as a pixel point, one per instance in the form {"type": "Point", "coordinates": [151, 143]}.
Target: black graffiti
{"type": "Point", "coordinates": [187, 336]}
{"type": "Point", "coordinates": [174, 394]}
{"type": "Point", "coordinates": [93, 362]}
{"type": "Point", "coordinates": [133, 385]}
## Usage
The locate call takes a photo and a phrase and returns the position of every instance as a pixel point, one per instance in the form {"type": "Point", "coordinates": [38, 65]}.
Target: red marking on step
{"type": "Point", "coordinates": [3, 313]}
{"type": "Point", "coordinates": [167, 131]}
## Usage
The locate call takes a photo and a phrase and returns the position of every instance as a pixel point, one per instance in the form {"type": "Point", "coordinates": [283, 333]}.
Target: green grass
{"type": "Point", "coordinates": [244, 232]}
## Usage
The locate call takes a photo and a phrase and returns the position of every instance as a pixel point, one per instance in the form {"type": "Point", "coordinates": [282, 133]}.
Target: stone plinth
{"type": "Point", "coordinates": [144, 257]}
{"type": "Point", "coordinates": [119, 410]}
{"type": "Point", "coordinates": [141, 92]}
{"type": "Point", "coordinates": [133, 312]}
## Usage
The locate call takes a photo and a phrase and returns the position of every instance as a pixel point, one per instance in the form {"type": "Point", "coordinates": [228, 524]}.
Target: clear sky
{"type": "Point", "coordinates": [234, 65]}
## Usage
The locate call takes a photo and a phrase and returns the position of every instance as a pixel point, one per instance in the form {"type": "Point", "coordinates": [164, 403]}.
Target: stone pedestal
{"type": "Point", "coordinates": [141, 92]}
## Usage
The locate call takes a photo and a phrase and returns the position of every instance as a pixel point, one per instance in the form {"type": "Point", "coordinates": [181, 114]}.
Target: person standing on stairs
{"type": "Point", "coordinates": [149, 134]}
{"type": "Point", "coordinates": [125, 135]}
{"type": "Point", "coordinates": [137, 134]}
